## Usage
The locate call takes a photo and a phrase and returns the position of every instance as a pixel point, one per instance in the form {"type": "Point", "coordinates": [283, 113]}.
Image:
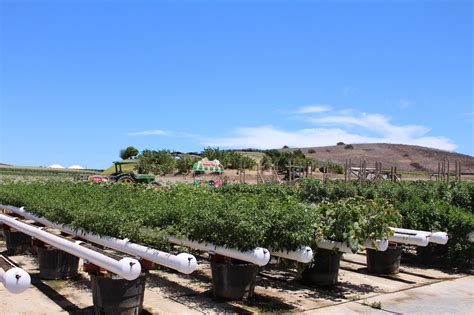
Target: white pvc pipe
{"type": "Point", "coordinates": [258, 256]}
{"type": "Point", "coordinates": [303, 254]}
{"type": "Point", "coordinates": [434, 237]}
{"type": "Point", "coordinates": [331, 245]}
{"type": "Point", "coordinates": [15, 279]}
{"type": "Point", "coordinates": [410, 239]}
{"type": "Point", "coordinates": [128, 268]}
{"type": "Point", "coordinates": [185, 263]}
{"type": "Point", "coordinates": [379, 245]}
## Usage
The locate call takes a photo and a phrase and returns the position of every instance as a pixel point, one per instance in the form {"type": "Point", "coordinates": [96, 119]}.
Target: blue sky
{"type": "Point", "coordinates": [82, 79]}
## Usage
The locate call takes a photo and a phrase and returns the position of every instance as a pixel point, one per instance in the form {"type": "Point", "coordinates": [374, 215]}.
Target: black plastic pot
{"type": "Point", "coordinates": [387, 262]}
{"type": "Point", "coordinates": [117, 296]}
{"type": "Point", "coordinates": [17, 242]}
{"type": "Point", "coordinates": [430, 255]}
{"type": "Point", "coordinates": [325, 269]}
{"type": "Point", "coordinates": [233, 280]}
{"type": "Point", "coordinates": [55, 264]}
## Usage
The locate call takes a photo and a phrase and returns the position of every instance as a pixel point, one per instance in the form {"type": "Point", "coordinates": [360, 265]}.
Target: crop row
{"type": "Point", "coordinates": [423, 205]}
{"type": "Point", "coordinates": [243, 216]}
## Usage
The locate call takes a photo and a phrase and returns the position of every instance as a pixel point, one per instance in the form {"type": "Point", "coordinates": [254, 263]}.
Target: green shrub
{"type": "Point", "coordinates": [355, 220]}
{"type": "Point", "coordinates": [185, 163]}
{"type": "Point", "coordinates": [157, 162]}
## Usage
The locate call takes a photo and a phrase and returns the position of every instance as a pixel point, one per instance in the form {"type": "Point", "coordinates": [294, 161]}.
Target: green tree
{"type": "Point", "coordinates": [157, 162]}
{"type": "Point", "coordinates": [266, 162]}
{"type": "Point", "coordinates": [230, 159]}
{"type": "Point", "coordinates": [128, 153]}
{"type": "Point", "coordinates": [185, 163]}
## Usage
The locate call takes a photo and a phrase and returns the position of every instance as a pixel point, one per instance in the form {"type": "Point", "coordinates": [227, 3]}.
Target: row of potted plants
{"type": "Point", "coordinates": [240, 219]}
{"type": "Point", "coordinates": [424, 205]}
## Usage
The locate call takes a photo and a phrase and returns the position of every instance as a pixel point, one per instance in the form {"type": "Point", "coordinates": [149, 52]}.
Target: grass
{"type": "Point", "coordinates": [42, 171]}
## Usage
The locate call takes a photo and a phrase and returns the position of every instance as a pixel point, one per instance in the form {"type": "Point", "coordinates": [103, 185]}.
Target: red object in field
{"type": "Point", "coordinates": [98, 178]}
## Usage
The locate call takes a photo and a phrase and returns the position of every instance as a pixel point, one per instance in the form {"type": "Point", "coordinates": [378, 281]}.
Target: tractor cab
{"type": "Point", "coordinates": [124, 173]}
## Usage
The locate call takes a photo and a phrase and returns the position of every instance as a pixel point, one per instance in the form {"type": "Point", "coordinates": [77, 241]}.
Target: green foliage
{"type": "Point", "coordinates": [266, 163]}
{"type": "Point", "coordinates": [281, 159]}
{"type": "Point", "coordinates": [146, 214]}
{"type": "Point", "coordinates": [128, 153]}
{"type": "Point", "coordinates": [348, 147]}
{"type": "Point", "coordinates": [230, 159]}
{"type": "Point", "coordinates": [340, 143]}
{"type": "Point", "coordinates": [276, 216]}
{"type": "Point", "coordinates": [157, 162]}
{"type": "Point", "coordinates": [185, 163]}
{"type": "Point", "coordinates": [311, 151]}
{"type": "Point", "coordinates": [331, 167]}
{"type": "Point", "coordinates": [424, 205]}
{"type": "Point", "coordinates": [354, 220]}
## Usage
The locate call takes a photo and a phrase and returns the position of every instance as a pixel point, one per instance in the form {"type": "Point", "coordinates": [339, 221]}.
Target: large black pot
{"type": "Point", "coordinates": [387, 262]}
{"type": "Point", "coordinates": [117, 296]}
{"type": "Point", "coordinates": [55, 264]}
{"type": "Point", "coordinates": [17, 242]}
{"type": "Point", "coordinates": [233, 280]}
{"type": "Point", "coordinates": [430, 255]}
{"type": "Point", "coordinates": [325, 269]}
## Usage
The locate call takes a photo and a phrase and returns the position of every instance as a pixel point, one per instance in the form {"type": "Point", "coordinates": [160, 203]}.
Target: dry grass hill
{"type": "Point", "coordinates": [404, 157]}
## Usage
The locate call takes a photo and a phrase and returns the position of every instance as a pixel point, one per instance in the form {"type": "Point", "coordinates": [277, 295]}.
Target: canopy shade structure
{"type": "Point", "coordinates": [206, 165]}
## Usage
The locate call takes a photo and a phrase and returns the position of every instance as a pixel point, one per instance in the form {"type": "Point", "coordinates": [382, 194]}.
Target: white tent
{"type": "Point", "coordinates": [56, 166]}
{"type": "Point", "coordinates": [75, 167]}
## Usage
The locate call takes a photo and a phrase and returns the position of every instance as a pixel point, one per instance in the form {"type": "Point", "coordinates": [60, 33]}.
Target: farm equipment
{"type": "Point", "coordinates": [130, 177]}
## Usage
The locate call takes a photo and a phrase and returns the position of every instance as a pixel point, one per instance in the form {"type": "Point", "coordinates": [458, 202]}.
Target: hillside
{"type": "Point", "coordinates": [404, 157]}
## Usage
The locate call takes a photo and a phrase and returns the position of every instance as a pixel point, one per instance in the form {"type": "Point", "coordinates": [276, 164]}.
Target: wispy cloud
{"type": "Point", "coordinates": [332, 127]}
{"type": "Point", "coordinates": [155, 132]}
{"type": "Point", "coordinates": [329, 127]}
{"type": "Point", "coordinates": [269, 137]}
{"type": "Point", "coordinates": [376, 123]}
{"type": "Point", "coordinates": [312, 109]}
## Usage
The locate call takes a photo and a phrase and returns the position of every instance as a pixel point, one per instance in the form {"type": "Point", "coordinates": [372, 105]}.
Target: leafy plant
{"type": "Point", "coordinates": [355, 220]}
{"type": "Point", "coordinates": [185, 163]}
{"type": "Point", "coordinates": [157, 162]}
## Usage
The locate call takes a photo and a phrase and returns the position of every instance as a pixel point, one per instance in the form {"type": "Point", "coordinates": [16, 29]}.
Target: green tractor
{"type": "Point", "coordinates": [123, 174]}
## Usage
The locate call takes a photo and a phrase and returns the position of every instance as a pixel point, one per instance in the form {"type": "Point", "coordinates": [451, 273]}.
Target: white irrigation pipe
{"type": "Point", "coordinates": [303, 254]}
{"type": "Point", "coordinates": [184, 263]}
{"type": "Point", "coordinates": [379, 245]}
{"type": "Point", "coordinates": [258, 256]}
{"type": "Point", "coordinates": [434, 237]}
{"type": "Point", "coordinates": [15, 279]}
{"type": "Point", "coordinates": [128, 268]}
{"type": "Point", "coordinates": [419, 239]}
{"type": "Point", "coordinates": [331, 245]}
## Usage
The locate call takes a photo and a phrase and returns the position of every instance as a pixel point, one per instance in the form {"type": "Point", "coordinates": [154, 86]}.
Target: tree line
{"type": "Point", "coordinates": [162, 162]}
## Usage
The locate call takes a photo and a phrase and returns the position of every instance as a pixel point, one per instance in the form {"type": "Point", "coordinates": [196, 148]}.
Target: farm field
{"type": "Point", "coordinates": [246, 218]}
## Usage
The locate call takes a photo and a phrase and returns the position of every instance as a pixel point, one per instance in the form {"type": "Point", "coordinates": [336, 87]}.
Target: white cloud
{"type": "Point", "coordinates": [155, 132]}
{"type": "Point", "coordinates": [376, 123]}
{"type": "Point", "coordinates": [313, 109]}
{"type": "Point", "coordinates": [355, 128]}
